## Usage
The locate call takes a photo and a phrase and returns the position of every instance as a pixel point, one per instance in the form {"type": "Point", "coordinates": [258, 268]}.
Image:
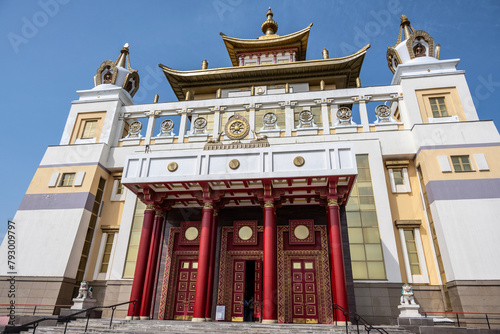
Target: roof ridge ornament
{"type": "Point", "coordinates": [269, 26]}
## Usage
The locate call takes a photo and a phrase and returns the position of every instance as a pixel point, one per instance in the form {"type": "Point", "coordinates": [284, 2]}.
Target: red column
{"type": "Point", "coordinates": [337, 259]}
{"type": "Point", "coordinates": [269, 286]}
{"type": "Point", "coordinates": [211, 268]}
{"type": "Point", "coordinates": [147, 295]}
{"type": "Point", "coordinates": [200, 298]}
{"type": "Point", "coordinates": [142, 261]}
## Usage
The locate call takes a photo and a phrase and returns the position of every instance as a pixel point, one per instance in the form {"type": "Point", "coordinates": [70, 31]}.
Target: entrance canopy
{"type": "Point", "coordinates": [296, 174]}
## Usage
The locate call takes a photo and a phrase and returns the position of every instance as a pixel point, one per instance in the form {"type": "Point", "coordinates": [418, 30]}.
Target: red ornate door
{"type": "Point", "coordinates": [238, 291]}
{"type": "Point", "coordinates": [304, 295]}
{"type": "Point", "coordinates": [186, 289]}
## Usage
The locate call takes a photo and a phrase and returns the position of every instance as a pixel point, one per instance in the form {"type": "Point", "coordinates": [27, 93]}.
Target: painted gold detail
{"type": "Point", "coordinates": [208, 205]}
{"type": "Point", "coordinates": [237, 127]}
{"type": "Point", "coordinates": [234, 164]}
{"type": "Point", "coordinates": [301, 232]}
{"type": "Point", "coordinates": [191, 233]}
{"type": "Point", "coordinates": [333, 202]}
{"type": "Point", "coordinates": [299, 161]}
{"type": "Point", "coordinates": [150, 207]}
{"type": "Point", "coordinates": [245, 233]}
{"type": "Point", "coordinates": [269, 204]}
{"type": "Point", "coordinates": [172, 167]}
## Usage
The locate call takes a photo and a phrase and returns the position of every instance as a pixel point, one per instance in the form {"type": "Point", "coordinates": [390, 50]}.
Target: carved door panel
{"type": "Point", "coordinates": [304, 292]}
{"type": "Point", "coordinates": [258, 290]}
{"type": "Point", "coordinates": [185, 290]}
{"type": "Point", "coordinates": [238, 291]}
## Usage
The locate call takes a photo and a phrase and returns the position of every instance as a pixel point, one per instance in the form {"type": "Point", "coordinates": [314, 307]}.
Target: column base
{"type": "Point", "coordinates": [136, 318]}
{"type": "Point", "coordinates": [128, 317]}
{"type": "Point", "coordinates": [198, 319]}
{"type": "Point", "coordinates": [342, 323]}
{"type": "Point", "coordinates": [142, 317]}
{"type": "Point", "coordinates": [269, 321]}
{"type": "Point", "coordinates": [208, 319]}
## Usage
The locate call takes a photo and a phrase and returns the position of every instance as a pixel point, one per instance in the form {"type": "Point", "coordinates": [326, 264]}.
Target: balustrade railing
{"type": "Point", "coordinates": [465, 319]}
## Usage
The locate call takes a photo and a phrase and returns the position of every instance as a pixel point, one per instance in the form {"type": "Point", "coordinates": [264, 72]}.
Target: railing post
{"type": "Point", "coordinates": [488, 321]}
{"type": "Point", "coordinates": [112, 314]}
{"type": "Point", "coordinates": [345, 320]}
{"type": "Point", "coordinates": [34, 327]}
{"type": "Point", "coordinates": [34, 310]}
{"type": "Point", "coordinates": [87, 324]}
{"type": "Point", "coordinates": [458, 320]}
{"type": "Point", "coordinates": [66, 326]}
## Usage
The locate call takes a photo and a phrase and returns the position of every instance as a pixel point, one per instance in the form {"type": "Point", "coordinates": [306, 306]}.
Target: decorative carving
{"type": "Point", "coordinates": [199, 125]}
{"type": "Point", "coordinates": [299, 161]}
{"type": "Point", "coordinates": [419, 36]}
{"type": "Point", "coordinates": [245, 232]}
{"type": "Point", "coordinates": [134, 130]}
{"type": "Point", "coordinates": [383, 113]}
{"type": "Point", "coordinates": [85, 291]}
{"type": "Point", "coordinates": [234, 164]}
{"type": "Point", "coordinates": [333, 202]}
{"type": "Point", "coordinates": [131, 83]}
{"type": "Point", "coordinates": [107, 67]}
{"type": "Point", "coordinates": [344, 115]}
{"type": "Point", "coordinates": [151, 207]}
{"type": "Point", "coordinates": [237, 127]}
{"type": "Point", "coordinates": [419, 50]}
{"type": "Point", "coordinates": [269, 204]}
{"type": "Point", "coordinates": [172, 167]}
{"type": "Point", "coordinates": [269, 121]}
{"type": "Point", "coordinates": [191, 233]}
{"type": "Point", "coordinates": [208, 205]}
{"type": "Point", "coordinates": [302, 232]}
{"type": "Point", "coordinates": [166, 128]}
{"type": "Point", "coordinates": [306, 119]}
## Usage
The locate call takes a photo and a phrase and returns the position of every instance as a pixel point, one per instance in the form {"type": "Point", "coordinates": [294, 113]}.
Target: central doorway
{"type": "Point", "coordinates": [247, 290]}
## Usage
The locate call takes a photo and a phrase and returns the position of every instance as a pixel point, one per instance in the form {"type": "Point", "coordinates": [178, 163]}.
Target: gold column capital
{"type": "Point", "coordinates": [160, 213]}
{"type": "Point", "coordinates": [150, 207]}
{"type": "Point", "coordinates": [208, 205]}
{"type": "Point", "coordinates": [333, 202]}
{"type": "Point", "coordinates": [216, 212]}
{"type": "Point", "coordinates": [269, 204]}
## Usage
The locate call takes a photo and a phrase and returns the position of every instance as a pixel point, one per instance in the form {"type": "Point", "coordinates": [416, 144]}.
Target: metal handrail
{"type": "Point", "coordinates": [359, 319]}
{"type": "Point", "coordinates": [35, 306]}
{"type": "Point", "coordinates": [67, 318]}
{"type": "Point", "coordinates": [485, 314]}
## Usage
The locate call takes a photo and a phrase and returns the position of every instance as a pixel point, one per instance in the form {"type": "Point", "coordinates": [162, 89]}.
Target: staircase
{"type": "Point", "coordinates": [166, 326]}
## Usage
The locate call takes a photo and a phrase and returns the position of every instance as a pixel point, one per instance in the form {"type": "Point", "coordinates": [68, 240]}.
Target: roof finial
{"type": "Point", "coordinates": [406, 26]}
{"type": "Point", "coordinates": [269, 26]}
{"type": "Point", "coordinates": [122, 60]}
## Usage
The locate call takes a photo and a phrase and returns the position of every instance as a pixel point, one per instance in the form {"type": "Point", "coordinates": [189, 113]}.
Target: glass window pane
{"type": "Point", "coordinates": [362, 160]}
{"type": "Point", "coordinates": [415, 269]}
{"type": "Point", "coordinates": [365, 188]}
{"type": "Point", "coordinates": [359, 270]}
{"type": "Point", "coordinates": [373, 252]}
{"type": "Point", "coordinates": [357, 253]}
{"type": "Point", "coordinates": [371, 235]}
{"type": "Point", "coordinates": [367, 203]}
{"type": "Point", "coordinates": [369, 218]}
{"type": "Point", "coordinates": [355, 236]}
{"type": "Point", "coordinates": [376, 270]}
{"type": "Point", "coordinates": [363, 174]}
{"type": "Point", "coordinates": [352, 204]}
{"type": "Point", "coordinates": [353, 219]}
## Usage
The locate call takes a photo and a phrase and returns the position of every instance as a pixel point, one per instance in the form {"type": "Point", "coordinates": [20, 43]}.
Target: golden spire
{"type": "Point", "coordinates": [406, 26]}
{"type": "Point", "coordinates": [123, 59]}
{"type": "Point", "coordinates": [269, 26]}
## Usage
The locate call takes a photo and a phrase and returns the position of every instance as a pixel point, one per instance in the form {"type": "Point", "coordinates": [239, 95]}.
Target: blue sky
{"type": "Point", "coordinates": [52, 48]}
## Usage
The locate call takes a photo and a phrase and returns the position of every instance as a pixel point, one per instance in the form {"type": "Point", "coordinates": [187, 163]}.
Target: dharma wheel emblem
{"type": "Point", "coordinates": [383, 112]}
{"type": "Point", "coordinates": [167, 125]}
{"type": "Point", "coordinates": [306, 116]}
{"type": "Point", "coordinates": [344, 114]}
{"type": "Point", "coordinates": [134, 129]}
{"type": "Point", "coordinates": [237, 127]}
{"type": "Point", "coordinates": [270, 119]}
{"type": "Point", "coordinates": [200, 123]}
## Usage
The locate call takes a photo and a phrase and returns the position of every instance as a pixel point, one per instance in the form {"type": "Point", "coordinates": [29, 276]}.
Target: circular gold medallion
{"type": "Point", "coordinates": [237, 127]}
{"type": "Point", "coordinates": [234, 164]}
{"type": "Point", "coordinates": [299, 161]}
{"type": "Point", "coordinates": [245, 233]}
{"type": "Point", "coordinates": [301, 232]}
{"type": "Point", "coordinates": [172, 167]}
{"type": "Point", "coordinates": [191, 233]}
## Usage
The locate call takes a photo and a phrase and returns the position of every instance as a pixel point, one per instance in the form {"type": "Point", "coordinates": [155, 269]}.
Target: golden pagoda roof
{"type": "Point", "coordinates": [346, 69]}
{"type": "Point", "coordinates": [295, 40]}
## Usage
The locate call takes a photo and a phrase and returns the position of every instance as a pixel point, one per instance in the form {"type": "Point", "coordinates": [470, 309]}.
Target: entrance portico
{"type": "Point", "coordinates": [268, 177]}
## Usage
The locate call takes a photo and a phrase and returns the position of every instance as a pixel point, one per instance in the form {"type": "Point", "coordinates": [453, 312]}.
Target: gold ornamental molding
{"type": "Point", "coordinates": [234, 164]}
{"type": "Point", "coordinates": [269, 204]}
{"type": "Point", "coordinates": [208, 205]}
{"type": "Point", "coordinates": [172, 167]}
{"type": "Point", "coordinates": [333, 202]}
{"type": "Point", "coordinates": [299, 161]}
{"type": "Point", "coordinates": [412, 223]}
{"type": "Point", "coordinates": [150, 207]}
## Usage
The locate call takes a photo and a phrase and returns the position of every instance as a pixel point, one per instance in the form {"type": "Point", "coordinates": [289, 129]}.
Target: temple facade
{"type": "Point", "coordinates": [278, 189]}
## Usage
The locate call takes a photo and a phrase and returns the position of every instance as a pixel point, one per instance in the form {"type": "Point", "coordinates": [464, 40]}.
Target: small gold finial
{"type": "Point", "coordinates": [406, 26]}
{"type": "Point", "coordinates": [326, 54]}
{"type": "Point", "coordinates": [122, 58]}
{"type": "Point", "coordinates": [204, 64]}
{"type": "Point", "coordinates": [156, 98]}
{"type": "Point", "coordinates": [269, 26]}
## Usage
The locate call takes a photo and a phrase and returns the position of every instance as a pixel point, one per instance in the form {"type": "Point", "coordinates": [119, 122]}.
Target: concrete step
{"type": "Point", "coordinates": [168, 326]}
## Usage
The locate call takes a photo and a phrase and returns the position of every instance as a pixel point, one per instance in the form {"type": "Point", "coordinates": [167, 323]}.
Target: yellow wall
{"type": "Point", "coordinates": [80, 123]}
{"type": "Point", "coordinates": [452, 100]}
{"type": "Point", "coordinates": [432, 171]}
{"type": "Point", "coordinates": [408, 206]}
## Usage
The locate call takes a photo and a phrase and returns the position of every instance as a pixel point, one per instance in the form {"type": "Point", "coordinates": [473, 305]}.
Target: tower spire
{"type": "Point", "coordinates": [123, 59]}
{"type": "Point", "coordinates": [269, 26]}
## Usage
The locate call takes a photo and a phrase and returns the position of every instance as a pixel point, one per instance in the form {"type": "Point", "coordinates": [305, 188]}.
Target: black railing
{"type": "Point", "coordinates": [66, 319]}
{"type": "Point", "coordinates": [31, 309]}
{"type": "Point", "coordinates": [468, 319]}
{"type": "Point", "coordinates": [358, 320]}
